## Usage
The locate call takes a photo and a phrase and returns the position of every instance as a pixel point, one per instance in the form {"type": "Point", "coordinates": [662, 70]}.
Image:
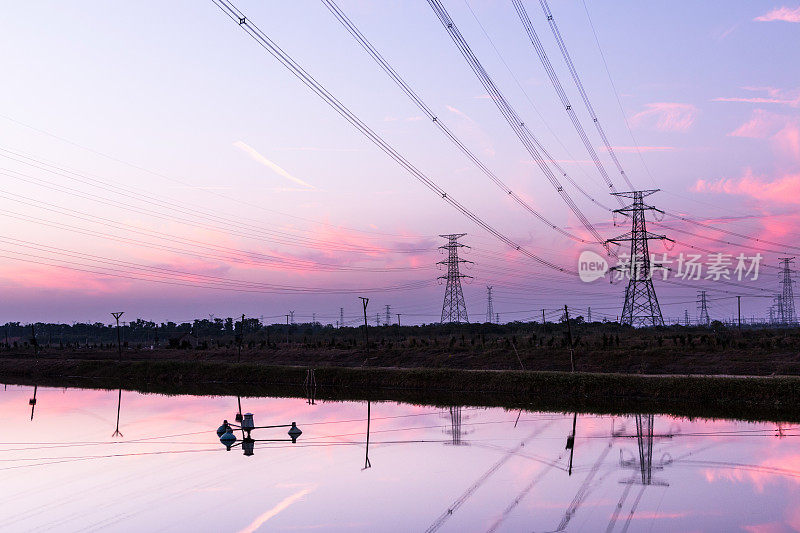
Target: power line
{"type": "Point", "coordinates": [290, 64]}
{"type": "Point", "coordinates": [529, 141]}
{"type": "Point", "coordinates": [576, 78]}
{"type": "Point", "coordinates": [551, 73]}
{"type": "Point", "coordinates": [437, 120]}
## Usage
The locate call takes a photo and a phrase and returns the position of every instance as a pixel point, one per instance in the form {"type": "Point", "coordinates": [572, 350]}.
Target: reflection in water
{"type": "Point", "coordinates": [247, 426]}
{"type": "Point", "coordinates": [515, 475]}
{"type": "Point", "coordinates": [32, 401]}
{"type": "Point", "coordinates": [119, 404]}
{"type": "Point", "coordinates": [455, 431]}
{"type": "Point", "coordinates": [367, 463]}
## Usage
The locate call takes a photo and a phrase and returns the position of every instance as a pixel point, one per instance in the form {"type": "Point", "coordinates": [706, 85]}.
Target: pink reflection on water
{"type": "Point", "coordinates": [459, 469]}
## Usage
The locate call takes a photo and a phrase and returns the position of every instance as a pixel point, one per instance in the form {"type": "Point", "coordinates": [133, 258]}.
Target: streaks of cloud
{"type": "Point", "coordinates": [666, 116]}
{"type": "Point", "coordinates": [282, 505]}
{"type": "Point", "coordinates": [771, 95]}
{"type": "Point", "coordinates": [256, 156]}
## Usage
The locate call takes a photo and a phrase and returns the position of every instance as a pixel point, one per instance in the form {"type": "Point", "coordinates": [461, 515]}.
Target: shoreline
{"type": "Point", "coordinates": [772, 398]}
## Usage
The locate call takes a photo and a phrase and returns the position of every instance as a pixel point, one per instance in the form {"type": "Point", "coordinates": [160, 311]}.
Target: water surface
{"type": "Point", "coordinates": [69, 464]}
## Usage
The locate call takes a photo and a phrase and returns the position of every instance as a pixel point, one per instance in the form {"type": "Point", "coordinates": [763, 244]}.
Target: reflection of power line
{"type": "Point", "coordinates": [583, 491]}
{"type": "Point", "coordinates": [442, 518]}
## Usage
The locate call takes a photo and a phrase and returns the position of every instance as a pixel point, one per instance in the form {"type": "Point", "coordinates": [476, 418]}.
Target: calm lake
{"type": "Point", "coordinates": [87, 460]}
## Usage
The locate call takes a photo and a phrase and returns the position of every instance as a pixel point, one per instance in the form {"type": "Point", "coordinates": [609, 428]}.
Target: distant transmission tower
{"type": "Point", "coordinates": [489, 305]}
{"type": "Point", "coordinates": [702, 309]}
{"type": "Point", "coordinates": [453, 309]}
{"type": "Point", "coordinates": [641, 303]}
{"type": "Point", "coordinates": [787, 313]}
{"type": "Point", "coordinates": [589, 315]}
{"type": "Point", "coordinates": [388, 315]}
{"type": "Point", "coordinates": [686, 317]}
{"type": "Point", "coordinates": [377, 319]}
{"type": "Point", "coordinates": [341, 316]}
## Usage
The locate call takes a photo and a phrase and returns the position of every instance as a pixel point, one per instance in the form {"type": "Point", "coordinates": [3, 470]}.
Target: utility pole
{"type": "Point", "coordinates": [569, 338]}
{"type": "Point", "coordinates": [453, 309]}
{"type": "Point", "coordinates": [787, 311]}
{"type": "Point", "coordinates": [702, 306]}
{"type": "Point", "coordinates": [34, 342]}
{"type": "Point", "coordinates": [739, 309]}
{"type": "Point", "coordinates": [365, 302]}
{"type": "Point", "coordinates": [489, 304]}
{"type": "Point", "coordinates": [641, 303]}
{"type": "Point", "coordinates": [543, 319]}
{"type": "Point", "coordinates": [241, 340]}
{"type": "Point", "coordinates": [398, 320]}
{"type": "Point", "coordinates": [119, 345]}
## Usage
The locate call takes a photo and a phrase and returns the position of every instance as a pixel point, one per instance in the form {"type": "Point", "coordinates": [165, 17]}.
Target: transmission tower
{"type": "Point", "coordinates": [702, 309]}
{"type": "Point", "coordinates": [377, 319]}
{"type": "Point", "coordinates": [489, 305]}
{"type": "Point", "coordinates": [388, 315]}
{"type": "Point", "coordinates": [641, 303]}
{"type": "Point", "coordinates": [589, 315]}
{"type": "Point", "coordinates": [787, 313]}
{"type": "Point", "coordinates": [341, 317]}
{"type": "Point", "coordinates": [453, 309]}
{"type": "Point", "coordinates": [686, 317]}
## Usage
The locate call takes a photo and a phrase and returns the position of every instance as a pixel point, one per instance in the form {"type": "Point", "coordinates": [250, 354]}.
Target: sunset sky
{"type": "Point", "coordinates": [156, 160]}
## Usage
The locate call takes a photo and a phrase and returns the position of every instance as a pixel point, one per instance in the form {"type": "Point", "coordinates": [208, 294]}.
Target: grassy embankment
{"type": "Point", "coordinates": [774, 398]}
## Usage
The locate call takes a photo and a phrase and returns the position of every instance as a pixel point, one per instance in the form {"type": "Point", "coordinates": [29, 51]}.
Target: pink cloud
{"type": "Point", "coordinates": [782, 130]}
{"type": "Point", "coordinates": [784, 14]}
{"type": "Point", "coordinates": [785, 189]}
{"type": "Point", "coordinates": [666, 116]}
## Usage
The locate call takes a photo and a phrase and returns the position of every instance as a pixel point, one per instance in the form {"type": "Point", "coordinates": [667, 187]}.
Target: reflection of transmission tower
{"type": "Point", "coordinates": [455, 430]}
{"type": "Point", "coordinates": [702, 309]}
{"type": "Point", "coordinates": [644, 439]}
{"type": "Point", "coordinates": [786, 312]}
{"type": "Point", "coordinates": [489, 305]}
{"type": "Point", "coordinates": [453, 309]}
{"type": "Point", "coordinates": [641, 303]}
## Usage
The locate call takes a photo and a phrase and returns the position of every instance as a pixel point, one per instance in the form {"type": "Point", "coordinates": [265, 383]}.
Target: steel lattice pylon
{"type": "Point", "coordinates": [453, 309]}
{"type": "Point", "coordinates": [489, 305]}
{"type": "Point", "coordinates": [703, 317]}
{"type": "Point", "coordinates": [786, 309]}
{"type": "Point", "coordinates": [641, 303]}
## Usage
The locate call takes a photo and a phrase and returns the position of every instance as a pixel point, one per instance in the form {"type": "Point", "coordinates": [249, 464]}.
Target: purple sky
{"type": "Point", "coordinates": [156, 160]}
